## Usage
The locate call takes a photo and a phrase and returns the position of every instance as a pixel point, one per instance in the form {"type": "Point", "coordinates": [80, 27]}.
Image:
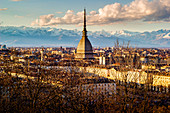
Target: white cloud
{"type": "Point", "coordinates": [3, 9]}
{"type": "Point", "coordinates": [68, 18]}
{"type": "Point", "coordinates": [156, 10]}
{"type": "Point", "coordinates": [17, 16]}
{"type": "Point", "coordinates": [16, 0]}
{"type": "Point", "coordinates": [59, 12]}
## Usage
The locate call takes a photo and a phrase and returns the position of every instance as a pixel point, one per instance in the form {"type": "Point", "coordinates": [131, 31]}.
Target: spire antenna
{"type": "Point", "coordinates": [84, 19]}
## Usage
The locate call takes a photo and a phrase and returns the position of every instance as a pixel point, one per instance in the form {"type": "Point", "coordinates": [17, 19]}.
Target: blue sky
{"type": "Point", "coordinates": [109, 15]}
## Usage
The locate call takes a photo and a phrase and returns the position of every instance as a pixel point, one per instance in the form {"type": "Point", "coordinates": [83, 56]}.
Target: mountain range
{"type": "Point", "coordinates": [52, 37]}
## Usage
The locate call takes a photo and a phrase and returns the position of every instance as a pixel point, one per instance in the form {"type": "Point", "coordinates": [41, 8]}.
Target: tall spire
{"type": "Point", "coordinates": [84, 29]}
{"type": "Point", "coordinates": [84, 19]}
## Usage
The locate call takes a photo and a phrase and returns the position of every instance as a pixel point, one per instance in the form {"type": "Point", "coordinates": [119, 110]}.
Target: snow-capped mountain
{"type": "Point", "coordinates": [29, 36]}
{"type": "Point", "coordinates": [167, 36]}
{"type": "Point", "coordinates": [125, 33]}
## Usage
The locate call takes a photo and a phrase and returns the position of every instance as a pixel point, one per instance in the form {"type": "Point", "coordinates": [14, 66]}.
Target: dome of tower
{"type": "Point", "coordinates": [84, 46]}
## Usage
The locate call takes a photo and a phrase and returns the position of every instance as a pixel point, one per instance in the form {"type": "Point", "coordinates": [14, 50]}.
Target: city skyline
{"type": "Point", "coordinates": [109, 15]}
{"type": "Point", "coordinates": [57, 57]}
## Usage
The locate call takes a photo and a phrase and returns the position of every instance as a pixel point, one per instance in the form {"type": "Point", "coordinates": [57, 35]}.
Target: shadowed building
{"type": "Point", "coordinates": [84, 48]}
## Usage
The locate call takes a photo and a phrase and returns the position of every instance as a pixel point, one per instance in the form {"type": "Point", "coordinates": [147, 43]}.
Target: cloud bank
{"type": "Point", "coordinates": [16, 0]}
{"type": "Point", "coordinates": [147, 11]}
{"type": "Point", "coordinates": [17, 16]}
{"type": "Point", "coordinates": [3, 9]}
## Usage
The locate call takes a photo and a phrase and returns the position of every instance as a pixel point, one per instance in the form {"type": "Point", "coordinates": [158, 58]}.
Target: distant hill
{"type": "Point", "coordinates": [52, 37]}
